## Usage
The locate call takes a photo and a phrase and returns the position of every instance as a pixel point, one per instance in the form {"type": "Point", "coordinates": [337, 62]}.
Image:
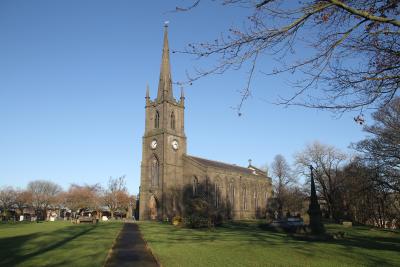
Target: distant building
{"type": "Point", "coordinates": [168, 174]}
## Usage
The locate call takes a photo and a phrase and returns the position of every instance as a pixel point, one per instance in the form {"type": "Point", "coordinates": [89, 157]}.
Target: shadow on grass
{"type": "Point", "coordinates": [372, 246]}
{"type": "Point", "coordinates": [230, 232]}
{"type": "Point", "coordinates": [12, 250]}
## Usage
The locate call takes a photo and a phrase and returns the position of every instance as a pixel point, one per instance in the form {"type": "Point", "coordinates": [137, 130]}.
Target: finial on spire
{"type": "Point", "coordinates": [249, 162]}
{"type": "Point", "coordinates": [166, 23]}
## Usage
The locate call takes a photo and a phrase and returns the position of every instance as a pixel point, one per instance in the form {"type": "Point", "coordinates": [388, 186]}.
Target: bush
{"type": "Point", "coordinates": [195, 221]}
{"type": "Point", "coordinates": [177, 220]}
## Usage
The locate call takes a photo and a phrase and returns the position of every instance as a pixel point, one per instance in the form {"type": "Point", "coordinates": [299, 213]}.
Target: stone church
{"type": "Point", "coordinates": [169, 175]}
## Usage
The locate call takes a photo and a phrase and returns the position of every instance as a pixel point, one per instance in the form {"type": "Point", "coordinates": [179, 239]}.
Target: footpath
{"type": "Point", "coordinates": [130, 249]}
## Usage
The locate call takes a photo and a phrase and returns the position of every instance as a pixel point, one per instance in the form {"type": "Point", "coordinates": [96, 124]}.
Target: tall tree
{"type": "Point", "coordinates": [283, 178]}
{"type": "Point", "coordinates": [23, 199]}
{"type": "Point", "coordinates": [7, 199]}
{"type": "Point", "coordinates": [43, 195]}
{"type": "Point", "coordinates": [116, 195]}
{"type": "Point", "coordinates": [347, 52]}
{"type": "Point", "coordinates": [381, 150]}
{"type": "Point", "coordinates": [364, 200]}
{"type": "Point", "coordinates": [326, 161]}
{"type": "Point", "coordinates": [83, 197]}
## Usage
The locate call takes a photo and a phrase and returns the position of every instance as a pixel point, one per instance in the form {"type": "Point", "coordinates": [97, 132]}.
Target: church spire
{"type": "Point", "coordinates": [165, 83]}
{"type": "Point", "coordinates": [147, 94]}
{"type": "Point", "coordinates": [182, 97]}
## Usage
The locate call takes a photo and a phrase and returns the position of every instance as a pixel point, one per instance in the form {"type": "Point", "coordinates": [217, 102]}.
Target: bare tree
{"type": "Point", "coordinates": [381, 150]}
{"type": "Point", "coordinates": [326, 161]}
{"type": "Point", "coordinates": [83, 197]}
{"type": "Point", "coordinates": [7, 199]}
{"type": "Point", "coordinates": [23, 199]}
{"type": "Point", "coordinates": [43, 195]}
{"type": "Point", "coordinates": [347, 53]}
{"type": "Point", "coordinates": [116, 195]}
{"type": "Point", "coordinates": [283, 179]}
{"type": "Point", "coordinates": [366, 201]}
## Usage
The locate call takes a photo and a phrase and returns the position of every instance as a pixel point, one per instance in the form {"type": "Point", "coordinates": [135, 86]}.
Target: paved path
{"type": "Point", "coordinates": [130, 249]}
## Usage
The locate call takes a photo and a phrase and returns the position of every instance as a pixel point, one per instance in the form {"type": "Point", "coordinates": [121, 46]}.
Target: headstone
{"type": "Point", "coordinates": [347, 224]}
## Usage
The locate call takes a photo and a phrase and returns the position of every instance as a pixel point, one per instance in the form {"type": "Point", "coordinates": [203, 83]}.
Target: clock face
{"type": "Point", "coordinates": [153, 144]}
{"type": "Point", "coordinates": [175, 145]}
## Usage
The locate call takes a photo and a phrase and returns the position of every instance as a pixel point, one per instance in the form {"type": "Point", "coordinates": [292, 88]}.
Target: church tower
{"type": "Point", "coordinates": [164, 144]}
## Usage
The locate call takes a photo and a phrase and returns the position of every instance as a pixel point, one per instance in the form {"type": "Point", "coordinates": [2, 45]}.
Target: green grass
{"type": "Point", "coordinates": [56, 243]}
{"type": "Point", "coordinates": [244, 244]}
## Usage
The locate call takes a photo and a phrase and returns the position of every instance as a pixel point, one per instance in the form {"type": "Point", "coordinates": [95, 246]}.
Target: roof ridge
{"type": "Point", "coordinates": [220, 164]}
{"type": "Point", "coordinates": [230, 164]}
{"type": "Point", "coordinates": [258, 169]}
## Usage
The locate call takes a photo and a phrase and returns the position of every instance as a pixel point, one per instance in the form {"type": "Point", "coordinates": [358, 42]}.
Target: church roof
{"type": "Point", "coordinates": [231, 167]}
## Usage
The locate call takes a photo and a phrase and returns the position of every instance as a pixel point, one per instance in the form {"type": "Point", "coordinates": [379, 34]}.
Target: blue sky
{"type": "Point", "coordinates": [73, 76]}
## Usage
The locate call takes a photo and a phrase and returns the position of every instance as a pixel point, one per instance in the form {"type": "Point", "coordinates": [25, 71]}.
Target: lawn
{"type": "Point", "coordinates": [244, 244]}
{"type": "Point", "coordinates": [56, 243]}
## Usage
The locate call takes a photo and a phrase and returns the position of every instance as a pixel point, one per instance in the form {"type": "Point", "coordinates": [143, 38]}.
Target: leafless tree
{"type": "Point", "coordinates": [381, 150]}
{"type": "Point", "coordinates": [327, 162]}
{"type": "Point", "coordinates": [43, 195]}
{"type": "Point", "coordinates": [116, 195]}
{"type": "Point", "coordinates": [364, 200]}
{"type": "Point", "coordinates": [83, 197]}
{"type": "Point", "coordinates": [7, 199]}
{"type": "Point", "coordinates": [283, 179]}
{"type": "Point", "coordinates": [347, 53]}
{"type": "Point", "coordinates": [23, 199]}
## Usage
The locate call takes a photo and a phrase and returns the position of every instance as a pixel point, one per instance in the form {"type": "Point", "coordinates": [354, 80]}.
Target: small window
{"type": "Point", "coordinates": [157, 120]}
{"type": "Point", "coordinates": [195, 186]}
{"type": "Point", "coordinates": [172, 121]}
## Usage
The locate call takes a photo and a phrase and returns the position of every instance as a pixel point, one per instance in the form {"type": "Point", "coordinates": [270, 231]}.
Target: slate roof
{"type": "Point", "coordinates": [229, 167]}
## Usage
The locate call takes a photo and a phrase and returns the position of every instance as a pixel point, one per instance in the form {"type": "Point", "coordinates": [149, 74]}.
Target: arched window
{"type": "Point", "coordinates": [255, 200]}
{"type": "Point", "coordinates": [155, 172]}
{"type": "Point", "coordinates": [216, 194]}
{"type": "Point", "coordinates": [195, 185]}
{"type": "Point", "coordinates": [231, 194]}
{"type": "Point", "coordinates": [207, 184]}
{"type": "Point", "coordinates": [172, 121]}
{"type": "Point", "coordinates": [244, 198]}
{"type": "Point", "coordinates": [157, 120]}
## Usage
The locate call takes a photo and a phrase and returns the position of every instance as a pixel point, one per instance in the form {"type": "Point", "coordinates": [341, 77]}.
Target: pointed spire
{"type": "Point", "coordinates": [165, 83]}
{"type": "Point", "coordinates": [147, 94]}
{"type": "Point", "coordinates": [182, 96]}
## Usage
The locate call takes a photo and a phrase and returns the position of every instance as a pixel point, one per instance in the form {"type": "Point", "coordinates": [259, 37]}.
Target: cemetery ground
{"type": "Point", "coordinates": [233, 244]}
{"type": "Point", "coordinates": [245, 244]}
{"type": "Point", "coordinates": [59, 243]}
